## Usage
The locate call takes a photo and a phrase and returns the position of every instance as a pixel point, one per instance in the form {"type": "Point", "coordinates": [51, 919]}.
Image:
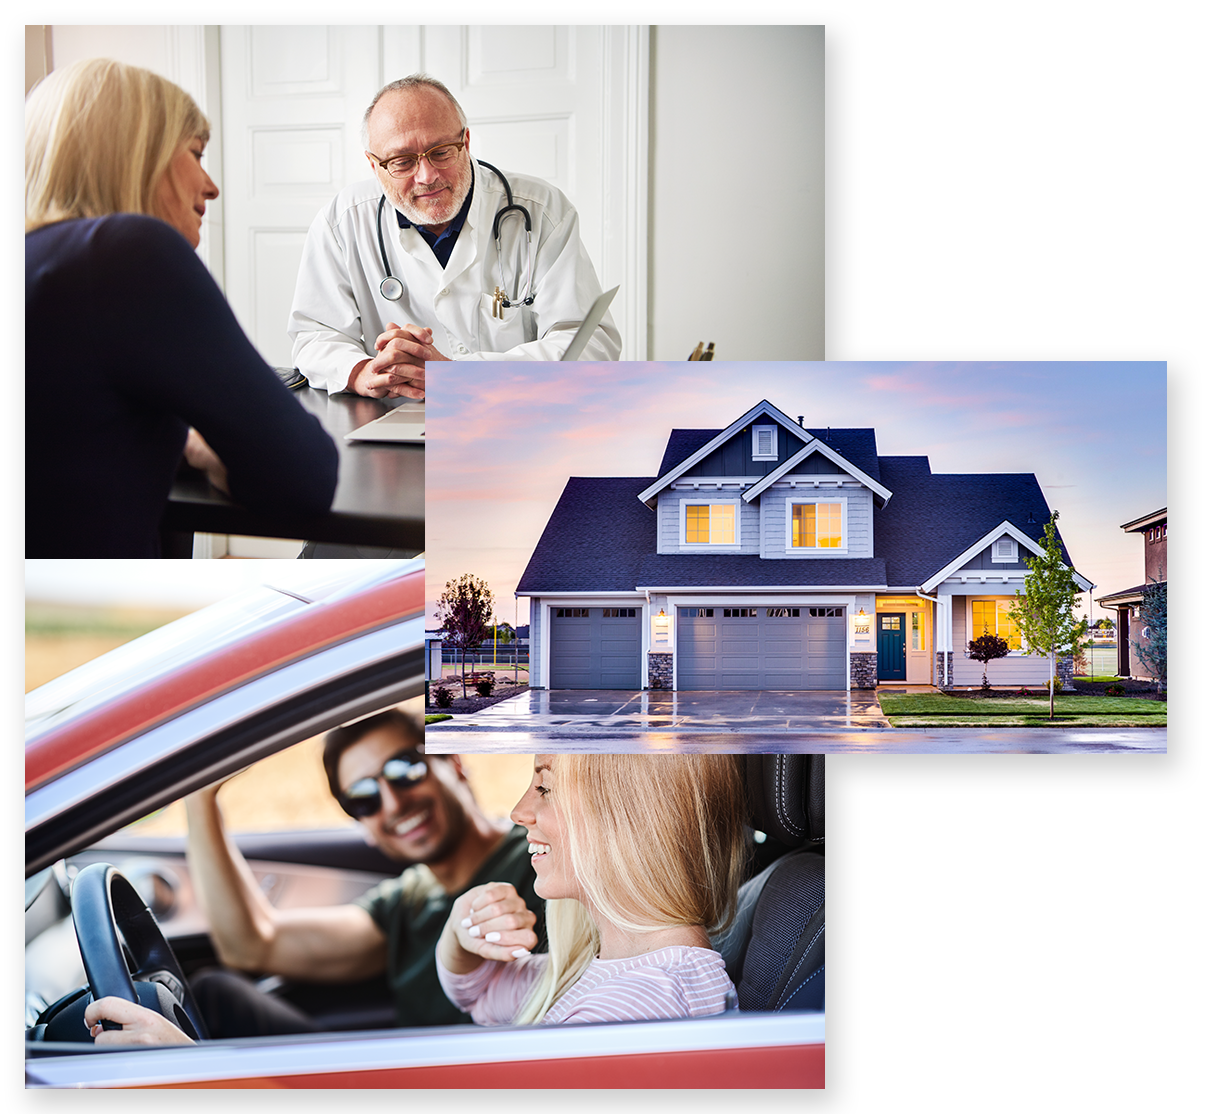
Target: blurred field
{"type": "Point", "coordinates": [283, 792]}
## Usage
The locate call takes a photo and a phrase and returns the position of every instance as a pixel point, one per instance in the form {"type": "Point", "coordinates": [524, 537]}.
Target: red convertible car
{"type": "Point", "coordinates": [233, 684]}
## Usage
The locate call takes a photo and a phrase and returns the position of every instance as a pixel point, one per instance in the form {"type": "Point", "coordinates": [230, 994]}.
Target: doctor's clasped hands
{"type": "Point", "coordinates": [398, 369]}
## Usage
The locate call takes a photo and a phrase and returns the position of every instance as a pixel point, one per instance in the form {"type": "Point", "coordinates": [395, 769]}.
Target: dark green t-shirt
{"type": "Point", "coordinates": [412, 910]}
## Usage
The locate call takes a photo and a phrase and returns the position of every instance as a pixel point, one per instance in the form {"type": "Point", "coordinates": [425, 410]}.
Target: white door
{"type": "Point", "coordinates": [567, 104]}
{"type": "Point", "coordinates": [292, 100]}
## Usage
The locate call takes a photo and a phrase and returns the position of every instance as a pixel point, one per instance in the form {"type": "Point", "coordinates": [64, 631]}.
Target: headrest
{"type": "Point", "coordinates": [786, 795]}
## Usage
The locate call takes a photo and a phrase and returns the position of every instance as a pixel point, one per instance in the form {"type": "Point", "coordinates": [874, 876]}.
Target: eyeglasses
{"type": "Point", "coordinates": [403, 166]}
{"type": "Point", "coordinates": [402, 771]}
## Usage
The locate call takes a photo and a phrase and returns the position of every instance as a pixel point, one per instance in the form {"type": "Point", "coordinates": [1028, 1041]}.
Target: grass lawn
{"type": "Point", "coordinates": [439, 717]}
{"type": "Point", "coordinates": [940, 710]}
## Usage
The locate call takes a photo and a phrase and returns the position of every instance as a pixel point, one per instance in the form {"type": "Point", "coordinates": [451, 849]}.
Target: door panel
{"type": "Point", "coordinates": [750, 648]}
{"type": "Point", "coordinates": [891, 648]}
{"type": "Point", "coordinates": [596, 648]}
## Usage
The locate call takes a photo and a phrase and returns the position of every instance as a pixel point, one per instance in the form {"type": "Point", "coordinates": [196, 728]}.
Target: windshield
{"type": "Point", "coordinates": [170, 647]}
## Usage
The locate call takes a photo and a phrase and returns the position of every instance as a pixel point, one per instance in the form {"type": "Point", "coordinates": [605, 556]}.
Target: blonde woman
{"type": "Point", "coordinates": [125, 322]}
{"type": "Point", "coordinates": [639, 858]}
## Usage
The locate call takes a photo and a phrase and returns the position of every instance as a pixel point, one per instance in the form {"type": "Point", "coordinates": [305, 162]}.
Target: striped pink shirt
{"type": "Point", "coordinates": [677, 981]}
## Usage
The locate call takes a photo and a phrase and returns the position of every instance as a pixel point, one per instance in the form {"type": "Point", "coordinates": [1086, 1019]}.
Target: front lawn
{"type": "Point", "coordinates": [941, 710]}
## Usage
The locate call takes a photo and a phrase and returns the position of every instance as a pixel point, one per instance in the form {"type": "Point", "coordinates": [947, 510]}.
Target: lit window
{"type": "Point", "coordinates": [710, 524]}
{"type": "Point", "coordinates": [990, 617]}
{"type": "Point", "coordinates": [816, 525]}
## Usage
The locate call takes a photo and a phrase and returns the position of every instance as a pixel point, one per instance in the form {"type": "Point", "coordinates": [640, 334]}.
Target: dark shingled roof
{"type": "Point", "coordinates": [595, 538]}
{"type": "Point", "coordinates": [931, 519]}
{"type": "Point", "coordinates": [682, 444]}
{"type": "Point", "coordinates": [693, 570]}
{"type": "Point", "coordinates": [602, 538]}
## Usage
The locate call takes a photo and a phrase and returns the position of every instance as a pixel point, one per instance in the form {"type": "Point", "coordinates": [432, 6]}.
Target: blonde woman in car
{"type": "Point", "coordinates": [639, 858]}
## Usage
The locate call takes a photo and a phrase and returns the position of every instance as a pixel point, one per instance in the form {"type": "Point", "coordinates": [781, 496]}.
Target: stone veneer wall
{"type": "Point", "coordinates": [1065, 673]}
{"type": "Point", "coordinates": [659, 670]}
{"type": "Point", "coordinates": [864, 670]}
{"type": "Point", "coordinates": [943, 681]}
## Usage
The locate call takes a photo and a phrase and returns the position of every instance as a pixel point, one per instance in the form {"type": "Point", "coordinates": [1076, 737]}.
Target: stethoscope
{"type": "Point", "coordinates": [392, 288]}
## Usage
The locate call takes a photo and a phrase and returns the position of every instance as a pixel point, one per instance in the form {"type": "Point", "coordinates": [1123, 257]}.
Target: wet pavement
{"type": "Point", "coordinates": [599, 721]}
{"type": "Point", "coordinates": [1016, 741]}
{"type": "Point", "coordinates": [617, 710]}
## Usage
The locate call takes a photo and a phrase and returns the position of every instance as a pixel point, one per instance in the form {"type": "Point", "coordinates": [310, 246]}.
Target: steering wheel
{"type": "Point", "coordinates": [106, 909]}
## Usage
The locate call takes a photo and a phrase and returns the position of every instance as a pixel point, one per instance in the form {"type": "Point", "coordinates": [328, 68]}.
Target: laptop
{"type": "Point", "coordinates": [405, 422]}
{"type": "Point", "coordinates": [402, 424]}
{"type": "Point", "coordinates": [588, 326]}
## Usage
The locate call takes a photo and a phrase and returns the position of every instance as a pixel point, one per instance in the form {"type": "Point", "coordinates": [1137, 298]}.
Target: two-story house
{"type": "Point", "coordinates": [1153, 528]}
{"type": "Point", "coordinates": [766, 555]}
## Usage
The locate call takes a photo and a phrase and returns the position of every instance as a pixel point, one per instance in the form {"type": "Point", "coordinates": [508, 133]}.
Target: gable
{"type": "Point", "coordinates": [1003, 531]}
{"type": "Point", "coordinates": [735, 456]}
{"type": "Point", "coordinates": [764, 413]}
{"type": "Point", "coordinates": [736, 451]}
{"type": "Point", "coordinates": [815, 449]}
{"type": "Point", "coordinates": [1006, 553]}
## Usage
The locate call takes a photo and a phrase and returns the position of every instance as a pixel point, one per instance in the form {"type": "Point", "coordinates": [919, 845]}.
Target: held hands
{"type": "Point", "coordinates": [139, 1025]}
{"type": "Point", "coordinates": [397, 369]}
{"type": "Point", "coordinates": [487, 922]}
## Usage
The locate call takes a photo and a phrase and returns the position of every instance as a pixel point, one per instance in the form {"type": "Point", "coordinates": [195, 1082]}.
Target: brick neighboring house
{"type": "Point", "coordinates": [1127, 604]}
{"type": "Point", "coordinates": [766, 555]}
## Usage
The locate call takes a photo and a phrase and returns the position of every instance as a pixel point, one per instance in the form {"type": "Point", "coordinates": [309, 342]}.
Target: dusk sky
{"type": "Point", "coordinates": [503, 438]}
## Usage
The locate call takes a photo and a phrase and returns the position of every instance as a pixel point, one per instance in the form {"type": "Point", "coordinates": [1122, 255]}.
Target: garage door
{"type": "Point", "coordinates": [596, 648]}
{"type": "Point", "coordinates": [777, 648]}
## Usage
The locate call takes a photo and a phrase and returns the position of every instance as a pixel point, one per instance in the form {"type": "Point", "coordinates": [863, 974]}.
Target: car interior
{"type": "Point", "coordinates": [136, 916]}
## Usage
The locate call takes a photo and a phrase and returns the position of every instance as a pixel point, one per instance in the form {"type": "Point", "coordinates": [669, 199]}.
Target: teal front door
{"type": "Point", "coordinates": [892, 648]}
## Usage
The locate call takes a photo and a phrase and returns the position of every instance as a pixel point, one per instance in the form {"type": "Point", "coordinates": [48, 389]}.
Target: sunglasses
{"type": "Point", "coordinates": [402, 771]}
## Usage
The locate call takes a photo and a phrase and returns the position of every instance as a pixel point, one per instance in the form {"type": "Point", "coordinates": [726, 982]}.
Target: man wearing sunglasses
{"type": "Point", "coordinates": [430, 262]}
{"type": "Point", "coordinates": [419, 811]}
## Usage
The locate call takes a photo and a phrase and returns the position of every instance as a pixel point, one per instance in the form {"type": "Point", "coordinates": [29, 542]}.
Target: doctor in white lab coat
{"type": "Point", "coordinates": [348, 336]}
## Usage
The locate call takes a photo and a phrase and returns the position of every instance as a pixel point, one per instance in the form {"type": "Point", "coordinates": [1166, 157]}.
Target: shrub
{"type": "Point", "coordinates": [442, 697]}
{"type": "Point", "coordinates": [985, 649]}
{"type": "Point", "coordinates": [1115, 690]}
{"type": "Point", "coordinates": [484, 687]}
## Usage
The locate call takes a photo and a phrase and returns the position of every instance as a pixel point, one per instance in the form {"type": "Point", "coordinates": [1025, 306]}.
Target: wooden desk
{"type": "Point", "coordinates": [379, 500]}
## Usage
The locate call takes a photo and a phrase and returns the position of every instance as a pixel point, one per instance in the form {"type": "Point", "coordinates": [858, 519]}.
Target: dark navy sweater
{"type": "Point", "coordinates": [128, 342]}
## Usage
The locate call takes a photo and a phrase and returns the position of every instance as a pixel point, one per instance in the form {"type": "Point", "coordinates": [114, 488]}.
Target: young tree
{"type": "Point", "coordinates": [1044, 613]}
{"type": "Point", "coordinates": [986, 649]}
{"type": "Point", "coordinates": [466, 607]}
{"type": "Point", "coordinates": [1153, 613]}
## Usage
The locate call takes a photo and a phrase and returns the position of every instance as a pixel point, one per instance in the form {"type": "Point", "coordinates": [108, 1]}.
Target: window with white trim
{"type": "Point", "coordinates": [1005, 550]}
{"type": "Point", "coordinates": [816, 524]}
{"type": "Point", "coordinates": [765, 442]}
{"type": "Point", "coordinates": [706, 522]}
{"type": "Point", "coordinates": [991, 617]}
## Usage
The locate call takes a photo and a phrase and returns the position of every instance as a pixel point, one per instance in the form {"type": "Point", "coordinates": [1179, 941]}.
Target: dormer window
{"type": "Point", "coordinates": [765, 442]}
{"type": "Point", "coordinates": [1005, 550]}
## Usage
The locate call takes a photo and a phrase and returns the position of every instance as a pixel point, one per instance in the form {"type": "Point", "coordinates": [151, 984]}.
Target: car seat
{"type": "Point", "coordinates": [775, 948]}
